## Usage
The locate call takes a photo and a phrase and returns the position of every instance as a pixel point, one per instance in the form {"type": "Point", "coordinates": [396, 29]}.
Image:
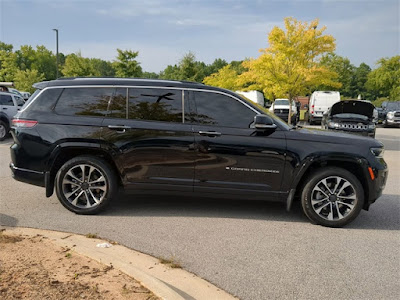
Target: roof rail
{"type": "Point", "coordinates": [137, 79]}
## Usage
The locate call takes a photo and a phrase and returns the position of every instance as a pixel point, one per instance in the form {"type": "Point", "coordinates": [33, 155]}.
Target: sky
{"type": "Point", "coordinates": [165, 30]}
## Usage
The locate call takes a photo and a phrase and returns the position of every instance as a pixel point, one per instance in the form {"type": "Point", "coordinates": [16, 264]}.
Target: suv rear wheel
{"type": "Point", "coordinates": [332, 197]}
{"type": "Point", "coordinates": [86, 185]}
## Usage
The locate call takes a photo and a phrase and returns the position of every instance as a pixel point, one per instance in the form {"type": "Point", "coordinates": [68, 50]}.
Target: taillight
{"type": "Point", "coordinates": [23, 123]}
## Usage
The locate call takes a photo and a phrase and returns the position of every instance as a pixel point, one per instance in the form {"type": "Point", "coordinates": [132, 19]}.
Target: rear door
{"type": "Point", "coordinates": [151, 142]}
{"type": "Point", "coordinates": [231, 156]}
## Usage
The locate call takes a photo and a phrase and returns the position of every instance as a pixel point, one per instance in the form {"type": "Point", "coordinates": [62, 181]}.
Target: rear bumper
{"type": "Point", "coordinates": [28, 176]}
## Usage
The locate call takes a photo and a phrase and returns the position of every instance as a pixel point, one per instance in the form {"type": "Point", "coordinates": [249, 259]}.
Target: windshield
{"type": "Point", "coordinates": [393, 105]}
{"type": "Point", "coordinates": [281, 102]}
{"type": "Point", "coordinates": [351, 116]}
{"type": "Point", "coordinates": [265, 111]}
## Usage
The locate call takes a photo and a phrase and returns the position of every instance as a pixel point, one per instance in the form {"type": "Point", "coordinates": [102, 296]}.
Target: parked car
{"type": "Point", "coordinates": [16, 92]}
{"type": "Point", "coordinates": [280, 108]}
{"type": "Point", "coordinates": [88, 137]}
{"type": "Point", "coordinates": [320, 102]}
{"type": "Point", "coordinates": [351, 116]}
{"type": "Point", "coordinates": [25, 95]}
{"type": "Point", "coordinates": [392, 114]}
{"type": "Point", "coordinates": [9, 105]}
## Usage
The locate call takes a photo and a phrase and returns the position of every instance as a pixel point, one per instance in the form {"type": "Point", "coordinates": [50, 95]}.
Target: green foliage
{"type": "Point", "coordinates": [126, 64]}
{"type": "Point", "coordinates": [385, 80]}
{"type": "Point", "coordinates": [76, 65]}
{"type": "Point", "coordinates": [25, 79]}
{"type": "Point", "coordinates": [41, 59]}
{"type": "Point", "coordinates": [345, 70]}
{"type": "Point", "coordinates": [191, 70]}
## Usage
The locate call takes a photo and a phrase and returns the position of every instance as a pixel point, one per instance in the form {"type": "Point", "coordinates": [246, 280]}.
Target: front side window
{"type": "Point", "coordinates": [163, 105]}
{"type": "Point", "coordinates": [221, 110]}
{"type": "Point", "coordinates": [91, 101]}
{"type": "Point", "coordinates": [6, 100]}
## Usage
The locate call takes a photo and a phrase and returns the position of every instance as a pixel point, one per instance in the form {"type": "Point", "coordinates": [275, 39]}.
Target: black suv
{"type": "Point", "coordinates": [89, 136]}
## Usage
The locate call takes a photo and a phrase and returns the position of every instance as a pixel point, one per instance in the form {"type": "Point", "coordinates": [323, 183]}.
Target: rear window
{"type": "Point", "coordinates": [84, 101]}
{"type": "Point", "coordinates": [43, 102]}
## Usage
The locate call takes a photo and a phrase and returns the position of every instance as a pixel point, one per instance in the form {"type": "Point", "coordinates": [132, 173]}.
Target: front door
{"type": "Point", "coordinates": [152, 144]}
{"type": "Point", "coordinates": [231, 156]}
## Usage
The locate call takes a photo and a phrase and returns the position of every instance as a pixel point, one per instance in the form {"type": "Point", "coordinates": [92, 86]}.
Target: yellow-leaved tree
{"type": "Point", "coordinates": [290, 66]}
{"type": "Point", "coordinates": [226, 78]}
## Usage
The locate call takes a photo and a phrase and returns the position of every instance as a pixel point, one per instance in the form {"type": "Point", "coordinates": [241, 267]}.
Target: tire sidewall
{"type": "Point", "coordinates": [2, 138]}
{"type": "Point", "coordinates": [106, 172]}
{"type": "Point", "coordinates": [314, 179]}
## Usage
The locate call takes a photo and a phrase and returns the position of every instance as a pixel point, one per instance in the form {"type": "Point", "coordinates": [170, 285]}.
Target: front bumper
{"type": "Point", "coordinates": [28, 176]}
{"type": "Point", "coordinates": [370, 133]}
{"type": "Point", "coordinates": [393, 122]}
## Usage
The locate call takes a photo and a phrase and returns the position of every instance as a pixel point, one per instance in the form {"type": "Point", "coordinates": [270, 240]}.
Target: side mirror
{"type": "Point", "coordinates": [264, 122]}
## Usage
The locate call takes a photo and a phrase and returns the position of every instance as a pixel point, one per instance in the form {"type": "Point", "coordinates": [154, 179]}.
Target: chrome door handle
{"type": "Point", "coordinates": [118, 128]}
{"type": "Point", "coordinates": [210, 133]}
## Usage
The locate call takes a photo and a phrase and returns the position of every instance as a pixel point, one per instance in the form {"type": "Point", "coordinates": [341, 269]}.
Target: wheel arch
{"type": "Point", "coordinates": [62, 153]}
{"type": "Point", "coordinates": [353, 165]}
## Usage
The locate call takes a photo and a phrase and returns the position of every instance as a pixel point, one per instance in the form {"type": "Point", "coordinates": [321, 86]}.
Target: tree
{"type": "Point", "coordinates": [345, 70]}
{"type": "Point", "coordinates": [8, 62]}
{"type": "Point", "coordinates": [126, 64]}
{"type": "Point", "coordinates": [76, 65]}
{"type": "Point", "coordinates": [41, 59]}
{"type": "Point", "coordinates": [291, 65]}
{"type": "Point", "coordinates": [384, 81]}
{"type": "Point", "coordinates": [101, 67]}
{"type": "Point", "coordinates": [360, 80]}
{"type": "Point", "coordinates": [25, 79]}
{"type": "Point", "coordinates": [226, 78]}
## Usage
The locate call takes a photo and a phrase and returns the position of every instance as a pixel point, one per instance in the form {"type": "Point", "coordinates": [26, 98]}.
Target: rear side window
{"type": "Point", "coordinates": [84, 101]}
{"type": "Point", "coordinates": [221, 110]}
{"type": "Point", "coordinates": [6, 100]}
{"type": "Point", "coordinates": [155, 105]}
{"type": "Point", "coordinates": [19, 100]}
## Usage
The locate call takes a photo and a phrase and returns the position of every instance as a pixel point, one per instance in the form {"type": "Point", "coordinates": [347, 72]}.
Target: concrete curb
{"type": "Point", "coordinates": [165, 282]}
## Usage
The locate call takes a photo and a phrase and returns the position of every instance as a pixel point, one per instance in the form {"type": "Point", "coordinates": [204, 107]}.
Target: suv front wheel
{"type": "Point", "coordinates": [332, 197]}
{"type": "Point", "coordinates": [86, 185]}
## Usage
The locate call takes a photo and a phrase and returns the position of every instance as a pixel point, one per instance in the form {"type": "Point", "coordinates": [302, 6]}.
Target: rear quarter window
{"type": "Point", "coordinates": [43, 101]}
{"type": "Point", "coordinates": [84, 101]}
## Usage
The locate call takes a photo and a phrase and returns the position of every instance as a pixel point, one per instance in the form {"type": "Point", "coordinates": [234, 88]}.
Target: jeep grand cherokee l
{"type": "Point", "coordinates": [86, 137]}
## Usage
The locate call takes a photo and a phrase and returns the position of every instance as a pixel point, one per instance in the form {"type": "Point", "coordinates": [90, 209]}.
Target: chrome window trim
{"type": "Point", "coordinates": [144, 87]}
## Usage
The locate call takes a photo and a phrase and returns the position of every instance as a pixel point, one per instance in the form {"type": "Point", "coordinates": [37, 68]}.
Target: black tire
{"type": "Point", "coordinates": [4, 130]}
{"type": "Point", "coordinates": [329, 212]}
{"type": "Point", "coordinates": [100, 181]}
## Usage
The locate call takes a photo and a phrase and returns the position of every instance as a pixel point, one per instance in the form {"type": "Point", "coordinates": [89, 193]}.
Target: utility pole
{"type": "Point", "coordinates": [56, 30]}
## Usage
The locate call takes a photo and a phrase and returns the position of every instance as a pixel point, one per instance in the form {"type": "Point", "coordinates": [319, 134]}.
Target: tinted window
{"type": "Point", "coordinates": [155, 105]}
{"type": "Point", "coordinates": [6, 100]}
{"type": "Point", "coordinates": [44, 102]}
{"type": "Point", "coordinates": [84, 101]}
{"type": "Point", "coordinates": [117, 108]}
{"type": "Point", "coordinates": [221, 110]}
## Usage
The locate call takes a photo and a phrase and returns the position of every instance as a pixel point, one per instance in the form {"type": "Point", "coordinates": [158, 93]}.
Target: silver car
{"type": "Point", "coordinates": [10, 104]}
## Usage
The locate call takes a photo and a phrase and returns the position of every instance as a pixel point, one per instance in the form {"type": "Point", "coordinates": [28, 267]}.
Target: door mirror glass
{"type": "Point", "coordinates": [263, 122]}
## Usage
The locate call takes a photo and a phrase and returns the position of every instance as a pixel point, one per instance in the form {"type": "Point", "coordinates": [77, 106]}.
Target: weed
{"type": "Point", "coordinates": [68, 255]}
{"type": "Point", "coordinates": [172, 263]}
{"type": "Point", "coordinates": [92, 236]}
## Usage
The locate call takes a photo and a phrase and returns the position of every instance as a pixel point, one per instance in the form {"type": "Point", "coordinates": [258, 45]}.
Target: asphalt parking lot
{"type": "Point", "coordinates": [252, 250]}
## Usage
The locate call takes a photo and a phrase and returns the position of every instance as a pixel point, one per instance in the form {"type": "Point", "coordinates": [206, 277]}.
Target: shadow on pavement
{"type": "Point", "coordinates": [383, 215]}
{"type": "Point", "coordinates": [6, 220]}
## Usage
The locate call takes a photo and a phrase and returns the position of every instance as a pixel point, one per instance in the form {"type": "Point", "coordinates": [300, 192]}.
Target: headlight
{"type": "Point", "coordinates": [390, 115]}
{"type": "Point", "coordinates": [378, 152]}
{"type": "Point", "coordinates": [333, 125]}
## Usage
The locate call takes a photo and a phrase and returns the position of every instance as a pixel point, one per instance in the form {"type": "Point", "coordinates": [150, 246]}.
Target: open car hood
{"type": "Point", "coordinates": [353, 107]}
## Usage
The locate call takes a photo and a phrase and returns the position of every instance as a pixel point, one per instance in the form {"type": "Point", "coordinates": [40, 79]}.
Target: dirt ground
{"type": "Point", "coordinates": [35, 268]}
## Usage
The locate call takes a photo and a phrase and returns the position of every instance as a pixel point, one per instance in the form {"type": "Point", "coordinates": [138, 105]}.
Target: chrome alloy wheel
{"type": "Point", "coordinates": [84, 186]}
{"type": "Point", "coordinates": [333, 198]}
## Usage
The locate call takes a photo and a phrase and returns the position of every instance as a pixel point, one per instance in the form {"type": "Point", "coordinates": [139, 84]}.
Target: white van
{"type": "Point", "coordinates": [320, 102]}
